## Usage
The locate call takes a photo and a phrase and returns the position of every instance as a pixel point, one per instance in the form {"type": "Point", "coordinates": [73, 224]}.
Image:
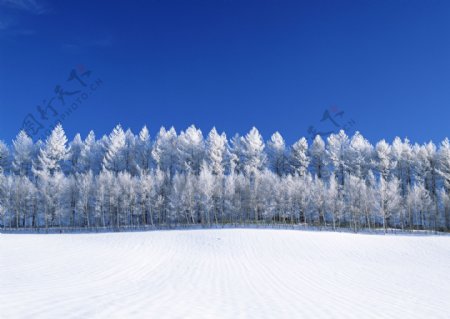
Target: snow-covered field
{"type": "Point", "coordinates": [230, 273]}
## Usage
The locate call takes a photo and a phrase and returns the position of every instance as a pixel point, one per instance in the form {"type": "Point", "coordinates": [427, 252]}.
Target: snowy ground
{"type": "Point", "coordinates": [234, 273]}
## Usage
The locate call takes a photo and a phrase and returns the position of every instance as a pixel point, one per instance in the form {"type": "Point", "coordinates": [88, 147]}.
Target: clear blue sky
{"type": "Point", "coordinates": [276, 65]}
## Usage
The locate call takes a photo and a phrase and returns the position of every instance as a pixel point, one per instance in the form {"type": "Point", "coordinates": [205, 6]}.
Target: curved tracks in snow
{"type": "Point", "coordinates": [230, 273]}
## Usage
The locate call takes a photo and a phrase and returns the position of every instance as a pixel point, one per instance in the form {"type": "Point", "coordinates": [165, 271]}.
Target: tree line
{"type": "Point", "coordinates": [183, 178]}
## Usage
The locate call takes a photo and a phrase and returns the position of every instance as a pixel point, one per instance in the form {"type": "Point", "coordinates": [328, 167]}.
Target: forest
{"type": "Point", "coordinates": [124, 180]}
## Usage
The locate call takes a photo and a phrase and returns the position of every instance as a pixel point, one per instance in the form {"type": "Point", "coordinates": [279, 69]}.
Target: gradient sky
{"type": "Point", "coordinates": [233, 64]}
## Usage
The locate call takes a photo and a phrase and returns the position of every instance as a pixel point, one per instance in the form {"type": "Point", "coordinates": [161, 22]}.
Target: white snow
{"type": "Point", "coordinates": [228, 273]}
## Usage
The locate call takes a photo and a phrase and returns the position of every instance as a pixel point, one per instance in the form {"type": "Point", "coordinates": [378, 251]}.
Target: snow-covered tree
{"type": "Point", "coordinates": [4, 199]}
{"type": "Point", "coordinates": [127, 202]}
{"type": "Point", "coordinates": [334, 201]}
{"type": "Point", "coordinates": [444, 164]}
{"type": "Point", "coordinates": [206, 182]}
{"type": "Point", "coordinates": [301, 196]}
{"type": "Point", "coordinates": [22, 194]}
{"type": "Point", "coordinates": [354, 198]}
{"type": "Point", "coordinates": [370, 202]}
{"type": "Point", "coordinates": [85, 202]}
{"type": "Point", "coordinates": [144, 150]}
{"type": "Point", "coordinates": [444, 198]}
{"type": "Point", "coordinates": [147, 192]}
{"type": "Point", "coordinates": [254, 156]}
{"type": "Point", "coordinates": [277, 154]}
{"type": "Point", "coordinates": [402, 159]}
{"type": "Point", "coordinates": [317, 202]}
{"type": "Point", "coordinates": [390, 200]}
{"type": "Point", "coordinates": [4, 157]}
{"type": "Point", "coordinates": [383, 159]}
{"type": "Point", "coordinates": [298, 157]}
{"type": "Point", "coordinates": [105, 197]}
{"type": "Point", "coordinates": [53, 154]}
{"type": "Point", "coordinates": [360, 156]}
{"type": "Point", "coordinates": [131, 164]}
{"type": "Point", "coordinates": [418, 203]}
{"type": "Point", "coordinates": [237, 159]}
{"type": "Point", "coordinates": [338, 153]}
{"type": "Point", "coordinates": [23, 153]}
{"type": "Point", "coordinates": [183, 199]}
{"type": "Point", "coordinates": [274, 198]}
{"type": "Point", "coordinates": [191, 149]}
{"type": "Point", "coordinates": [62, 191]}
{"type": "Point", "coordinates": [115, 158]}
{"type": "Point", "coordinates": [318, 157]}
{"type": "Point", "coordinates": [216, 151]}
{"type": "Point", "coordinates": [74, 163]}
{"type": "Point", "coordinates": [164, 151]}
{"type": "Point", "coordinates": [92, 153]}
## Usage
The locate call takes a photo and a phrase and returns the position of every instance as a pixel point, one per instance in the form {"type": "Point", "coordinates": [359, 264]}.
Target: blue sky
{"type": "Point", "coordinates": [277, 65]}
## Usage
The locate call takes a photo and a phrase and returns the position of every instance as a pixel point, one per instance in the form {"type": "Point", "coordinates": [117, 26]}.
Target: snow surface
{"type": "Point", "coordinates": [228, 273]}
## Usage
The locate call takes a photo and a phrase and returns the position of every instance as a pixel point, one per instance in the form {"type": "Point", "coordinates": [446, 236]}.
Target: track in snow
{"type": "Point", "coordinates": [229, 273]}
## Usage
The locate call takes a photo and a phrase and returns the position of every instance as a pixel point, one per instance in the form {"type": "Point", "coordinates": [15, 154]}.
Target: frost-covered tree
{"type": "Point", "coordinates": [85, 185]}
{"type": "Point", "coordinates": [298, 157]}
{"type": "Point", "coordinates": [255, 161]}
{"type": "Point", "coordinates": [127, 199]}
{"type": "Point", "coordinates": [334, 202]}
{"type": "Point", "coordinates": [370, 203]}
{"type": "Point", "coordinates": [264, 187]}
{"type": "Point", "coordinates": [4, 199]}
{"type": "Point", "coordinates": [228, 198]}
{"type": "Point", "coordinates": [23, 154]}
{"type": "Point", "coordinates": [301, 196]}
{"type": "Point", "coordinates": [22, 195]}
{"type": "Point", "coordinates": [418, 203]}
{"type": "Point", "coordinates": [147, 192]}
{"type": "Point", "coordinates": [389, 194]}
{"type": "Point", "coordinates": [317, 202]}
{"type": "Point", "coordinates": [53, 153]}
{"type": "Point", "coordinates": [4, 157]}
{"type": "Point", "coordinates": [92, 153]}
{"type": "Point", "coordinates": [402, 159]}
{"type": "Point", "coordinates": [191, 150]}
{"type": "Point", "coordinates": [180, 207]}
{"type": "Point", "coordinates": [50, 187]}
{"type": "Point", "coordinates": [184, 200]}
{"type": "Point", "coordinates": [206, 182]}
{"type": "Point", "coordinates": [253, 152]}
{"type": "Point", "coordinates": [115, 158]}
{"type": "Point", "coordinates": [274, 198]}
{"type": "Point", "coordinates": [354, 193]}
{"type": "Point", "coordinates": [360, 156]}
{"type": "Point", "coordinates": [105, 197]}
{"type": "Point", "coordinates": [163, 185]}
{"type": "Point", "coordinates": [425, 164]}
{"type": "Point", "coordinates": [64, 190]}
{"type": "Point", "coordinates": [144, 150]}
{"type": "Point", "coordinates": [164, 151]}
{"type": "Point", "coordinates": [444, 164]}
{"type": "Point", "coordinates": [318, 157]}
{"type": "Point", "coordinates": [444, 198]}
{"type": "Point", "coordinates": [131, 164]}
{"type": "Point", "coordinates": [216, 152]}
{"type": "Point", "coordinates": [277, 154]}
{"type": "Point", "coordinates": [338, 153]}
{"type": "Point", "coordinates": [237, 159]}
{"type": "Point", "coordinates": [74, 163]}
{"type": "Point", "coordinates": [383, 159]}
